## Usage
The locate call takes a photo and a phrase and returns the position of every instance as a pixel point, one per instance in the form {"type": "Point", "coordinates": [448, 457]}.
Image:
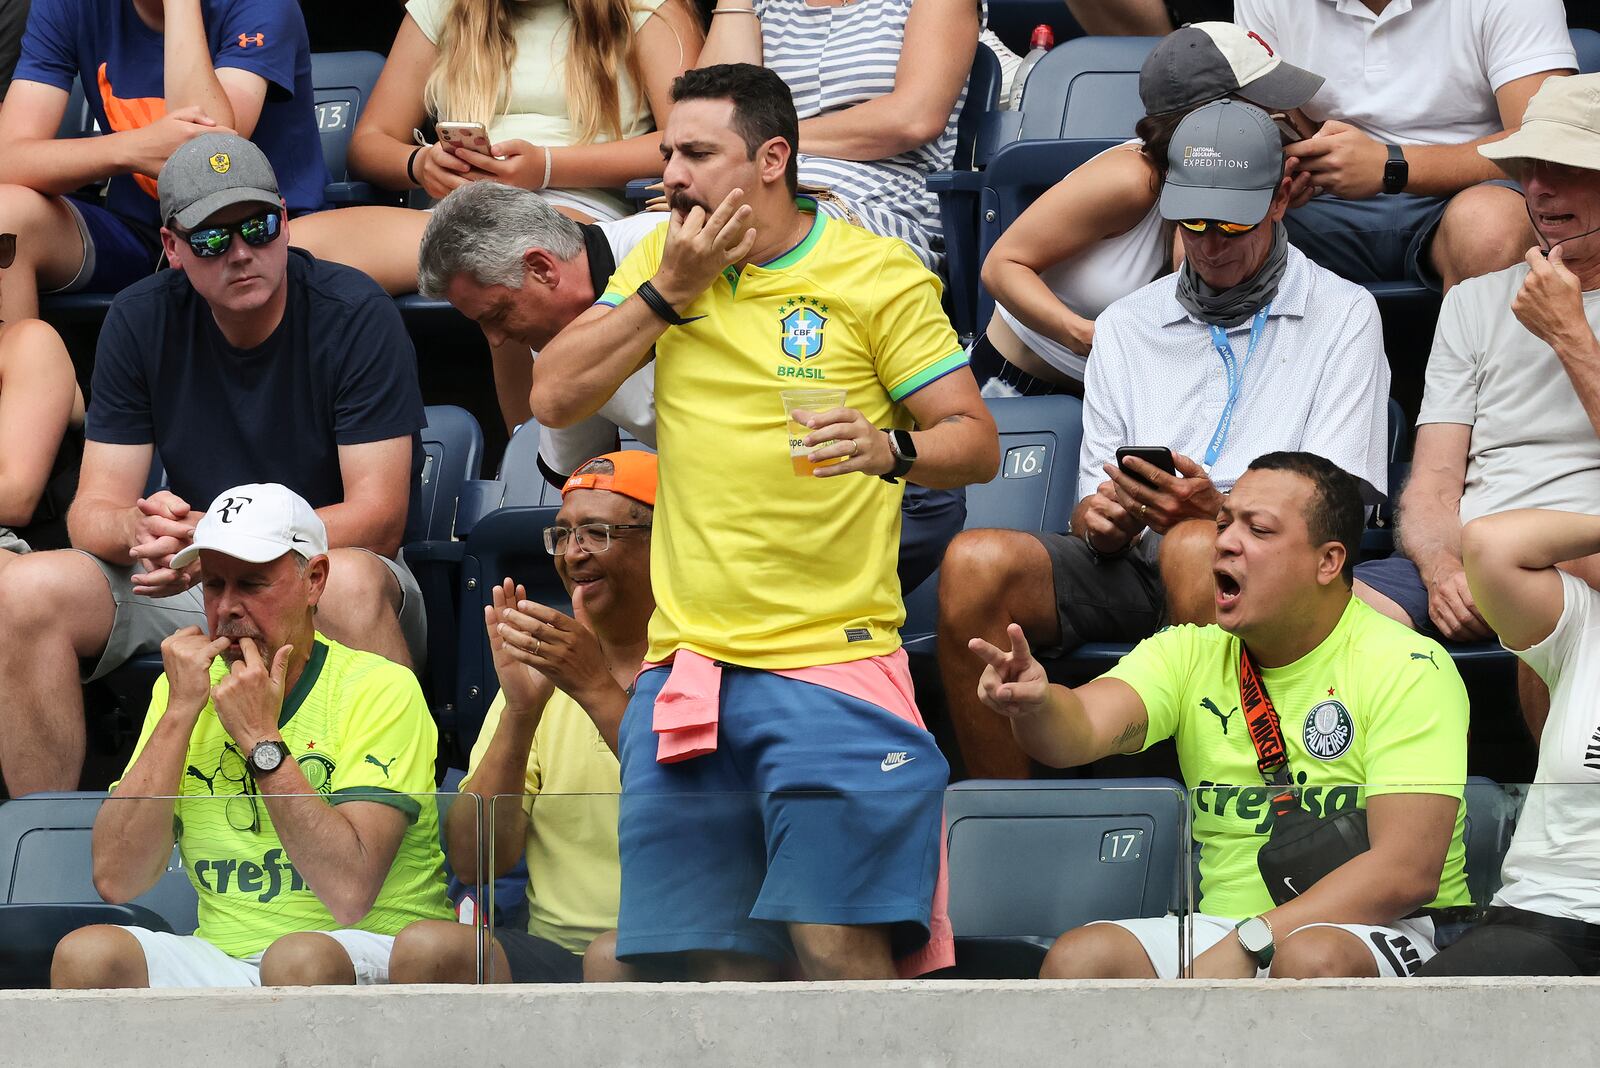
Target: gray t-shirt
{"type": "Point", "coordinates": [1532, 443]}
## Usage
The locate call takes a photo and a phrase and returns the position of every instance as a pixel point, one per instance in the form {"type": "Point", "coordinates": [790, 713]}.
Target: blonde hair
{"type": "Point", "coordinates": [478, 45]}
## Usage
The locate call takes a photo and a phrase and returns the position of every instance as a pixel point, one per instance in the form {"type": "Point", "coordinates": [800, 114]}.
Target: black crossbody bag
{"type": "Point", "coordinates": [1301, 848]}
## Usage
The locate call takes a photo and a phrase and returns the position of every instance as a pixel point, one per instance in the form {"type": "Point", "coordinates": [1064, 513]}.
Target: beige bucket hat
{"type": "Point", "coordinates": [1561, 125]}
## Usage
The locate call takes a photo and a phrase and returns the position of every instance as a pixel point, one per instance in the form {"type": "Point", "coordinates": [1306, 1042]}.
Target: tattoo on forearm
{"type": "Point", "coordinates": [1133, 732]}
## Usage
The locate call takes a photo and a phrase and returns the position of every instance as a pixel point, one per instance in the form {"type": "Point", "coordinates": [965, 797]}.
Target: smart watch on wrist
{"type": "Point", "coordinates": [1396, 171]}
{"type": "Point", "coordinates": [267, 757]}
{"type": "Point", "coordinates": [1255, 935]}
{"type": "Point", "coordinates": [904, 450]}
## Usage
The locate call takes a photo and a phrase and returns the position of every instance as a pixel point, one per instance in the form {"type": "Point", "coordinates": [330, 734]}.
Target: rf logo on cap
{"type": "Point", "coordinates": [231, 507]}
{"type": "Point", "coordinates": [220, 163]}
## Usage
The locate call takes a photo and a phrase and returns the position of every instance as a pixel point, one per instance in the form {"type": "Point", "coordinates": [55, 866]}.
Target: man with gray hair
{"type": "Point", "coordinates": [522, 271]}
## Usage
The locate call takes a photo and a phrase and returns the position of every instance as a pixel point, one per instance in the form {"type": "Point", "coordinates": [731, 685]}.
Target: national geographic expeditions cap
{"type": "Point", "coordinates": [1224, 163]}
{"type": "Point", "coordinates": [212, 172]}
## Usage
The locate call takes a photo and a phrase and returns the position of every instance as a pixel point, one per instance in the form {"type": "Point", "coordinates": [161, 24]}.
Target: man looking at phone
{"type": "Point", "coordinates": [1254, 348]}
{"type": "Point", "coordinates": [155, 74]}
{"type": "Point", "coordinates": [1326, 799]}
{"type": "Point", "coordinates": [776, 600]}
{"type": "Point", "coordinates": [248, 362]}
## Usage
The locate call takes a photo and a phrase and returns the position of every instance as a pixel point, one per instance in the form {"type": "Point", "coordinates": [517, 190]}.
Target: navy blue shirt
{"type": "Point", "coordinates": [338, 370]}
{"type": "Point", "coordinates": [105, 45]}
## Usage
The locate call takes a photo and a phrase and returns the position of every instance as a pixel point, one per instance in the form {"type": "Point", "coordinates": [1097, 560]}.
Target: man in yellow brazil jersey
{"type": "Point", "coordinates": [776, 706]}
{"type": "Point", "coordinates": [1324, 747]}
{"type": "Point", "coordinates": [293, 772]}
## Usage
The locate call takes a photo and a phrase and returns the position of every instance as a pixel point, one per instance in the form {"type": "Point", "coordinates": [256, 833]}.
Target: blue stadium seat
{"type": "Point", "coordinates": [1029, 860]}
{"type": "Point", "coordinates": [1587, 44]}
{"type": "Point", "coordinates": [1492, 814]}
{"type": "Point", "coordinates": [983, 97]}
{"type": "Point", "coordinates": [342, 82]}
{"type": "Point", "coordinates": [78, 120]}
{"type": "Point", "coordinates": [452, 448]}
{"type": "Point", "coordinates": [47, 885]}
{"type": "Point", "coordinates": [1085, 87]}
{"type": "Point", "coordinates": [1035, 489]}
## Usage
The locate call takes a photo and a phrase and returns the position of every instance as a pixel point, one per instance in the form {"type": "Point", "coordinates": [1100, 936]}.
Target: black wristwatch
{"type": "Point", "coordinates": [905, 454]}
{"type": "Point", "coordinates": [1396, 171]}
{"type": "Point", "coordinates": [268, 757]}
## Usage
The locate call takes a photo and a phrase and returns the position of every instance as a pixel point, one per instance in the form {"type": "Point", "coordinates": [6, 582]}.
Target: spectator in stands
{"type": "Point", "coordinates": [1412, 90]}
{"type": "Point", "coordinates": [1545, 918]}
{"type": "Point", "coordinates": [791, 578]}
{"type": "Point", "coordinates": [1509, 416]}
{"type": "Point", "coordinates": [247, 361]}
{"type": "Point", "coordinates": [1096, 235]}
{"type": "Point", "coordinates": [577, 139]}
{"type": "Point", "coordinates": [41, 432]}
{"type": "Point", "coordinates": [551, 735]}
{"type": "Point", "coordinates": [522, 272]}
{"type": "Point", "coordinates": [302, 773]}
{"type": "Point", "coordinates": [878, 88]}
{"type": "Point", "coordinates": [1256, 349]}
{"type": "Point", "coordinates": [1342, 712]}
{"type": "Point", "coordinates": [156, 76]}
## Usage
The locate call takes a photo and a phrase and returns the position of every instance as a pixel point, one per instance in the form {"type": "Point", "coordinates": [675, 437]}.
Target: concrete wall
{"type": "Point", "coordinates": [1446, 1022]}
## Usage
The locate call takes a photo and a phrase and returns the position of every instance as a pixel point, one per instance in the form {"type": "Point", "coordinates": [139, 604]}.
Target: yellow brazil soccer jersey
{"type": "Point", "coordinates": [750, 563]}
{"type": "Point", "coordinates": [570, 796]}
{"type": "Point", "coordinates": [1374, 709]}
{"type": "Point", "coordinates": [360, 730]}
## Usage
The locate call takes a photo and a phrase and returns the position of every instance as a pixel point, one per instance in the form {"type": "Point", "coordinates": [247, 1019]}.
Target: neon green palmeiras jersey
{"type": "Point", "coordinates": [360, 730]}
{"type": "Point", "coordinates": [1374, 709]}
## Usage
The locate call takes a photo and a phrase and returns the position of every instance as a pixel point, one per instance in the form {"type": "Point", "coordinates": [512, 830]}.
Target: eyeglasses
{"type": "Point", "coordinates": [241, 810]}
{"type": "Point", "coordinates": [592, 537]}
{"type": "Point", "coordinates": [1228, 229]}
{"type": "Point", "coordinates": [257, 230]}
{"type": "Point", "coordinates": [8, 250]}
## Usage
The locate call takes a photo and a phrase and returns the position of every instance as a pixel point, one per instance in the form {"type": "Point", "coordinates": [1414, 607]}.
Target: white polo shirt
{"type": "Point", "coordinates": [633, 406]}
{"type": "Point", "coordinates": [1424, 72]}
{"type": "Point", "coordinates": [1318, 382]}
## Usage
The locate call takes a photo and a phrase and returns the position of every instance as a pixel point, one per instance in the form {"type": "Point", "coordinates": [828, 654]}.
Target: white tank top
{"type": "Point", "coordinates": [1088, 283]}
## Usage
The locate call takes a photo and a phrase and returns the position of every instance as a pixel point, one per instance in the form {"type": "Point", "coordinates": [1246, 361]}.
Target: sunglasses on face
{"type": "Point", "coordinates": [1228, 229]}
{"type": "Point", "coordinates": [257, 230]}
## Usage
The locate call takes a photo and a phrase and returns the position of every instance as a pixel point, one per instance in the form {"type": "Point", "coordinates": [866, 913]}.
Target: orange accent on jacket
{"type": "Point", "coordinates": [134, 114]}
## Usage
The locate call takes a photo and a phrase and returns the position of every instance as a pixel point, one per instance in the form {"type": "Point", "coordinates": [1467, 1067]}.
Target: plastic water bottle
{"type": "Point", "coordinates": [1043, 39]}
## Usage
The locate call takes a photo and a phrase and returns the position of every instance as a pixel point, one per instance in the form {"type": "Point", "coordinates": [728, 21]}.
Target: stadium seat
{"type": "Point", "coordinates": [983, 97]}
{"type": "Point", "coordinates": [78, 120]}
{"type": "Point", "coordinates": [1085, 87]}
{"type": "Point", "coordinates": [1029, 860]}
{"type": "Point", "coordinates": [452, 447]}
{"type": "Point", "coordinates": [1587, 44]}
{"type": "Point", "coordinates": [342, 82]}
{"type": "Point", "coordinates": [47, 885]}
{"type": "Point", "coordinates": [1035, 489]}
{"type": "Point", "coordinates": [1492, 813]}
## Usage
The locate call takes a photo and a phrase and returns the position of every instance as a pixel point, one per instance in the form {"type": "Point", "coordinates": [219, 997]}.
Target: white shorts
{"type": "Point", "coordinates": [189, 960]}
{"type": "Point", "coordinates": [1398, 950]}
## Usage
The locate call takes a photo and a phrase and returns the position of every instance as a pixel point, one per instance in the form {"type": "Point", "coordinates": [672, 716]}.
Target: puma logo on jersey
{"type": "Point", "coordinates": [1207, 704]}
{"type": "Point", "coordinates": [374, 760]}
{"type": "Point", "coordinates": [1428, 657]}
{"type": "Point", "coordinates": [210, 781]}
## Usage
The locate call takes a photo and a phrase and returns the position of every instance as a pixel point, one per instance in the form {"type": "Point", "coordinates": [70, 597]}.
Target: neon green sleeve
{"type": "Point", "coordinates": [389, 741]}
{"type": "Point", "coordinates": [1158, 670]}
{"type": "Point", "coordinates": [1417, 735]}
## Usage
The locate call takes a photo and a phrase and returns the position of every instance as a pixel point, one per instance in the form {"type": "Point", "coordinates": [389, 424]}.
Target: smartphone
{"type": "Point", "coordinates": [1155, 455]}
{"type": "Point", "coordinates": [473, 135]}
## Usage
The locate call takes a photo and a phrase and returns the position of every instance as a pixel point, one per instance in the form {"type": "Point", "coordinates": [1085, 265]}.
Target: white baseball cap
{"type": "Point", "coordinates": [257, 522]}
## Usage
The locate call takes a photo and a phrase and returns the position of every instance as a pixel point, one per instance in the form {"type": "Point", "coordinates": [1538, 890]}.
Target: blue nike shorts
{"type": "Point", "coordinates": [816, 807]}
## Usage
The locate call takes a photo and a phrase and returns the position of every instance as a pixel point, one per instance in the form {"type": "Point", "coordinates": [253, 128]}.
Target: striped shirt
{"type": "Point", "coordinates": [833, 58]}
{"type": "Point", "coordinates": [1319, 380]}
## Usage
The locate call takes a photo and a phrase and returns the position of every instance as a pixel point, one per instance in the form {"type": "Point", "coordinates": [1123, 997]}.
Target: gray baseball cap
{"type": "Point", "coordinates": [212, 172]}
{"type": "Point", "coordinates": [1225, 162]}
{"type": "Point", "coordinates": [1209, 60]}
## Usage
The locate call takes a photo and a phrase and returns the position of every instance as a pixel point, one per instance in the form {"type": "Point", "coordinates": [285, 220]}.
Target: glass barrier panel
{"type": "Point", "coordinates": [220, 886]}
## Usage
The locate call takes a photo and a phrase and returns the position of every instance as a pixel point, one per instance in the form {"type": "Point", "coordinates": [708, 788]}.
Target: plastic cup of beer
{"type": "Point", "coordinates": [814, 401]}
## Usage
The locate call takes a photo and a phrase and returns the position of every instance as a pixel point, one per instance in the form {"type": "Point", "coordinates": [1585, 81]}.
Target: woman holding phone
{"type": "Point", "coordinates": [568, 92]}
{"type": "Point", "coordinates": [1095, 236]}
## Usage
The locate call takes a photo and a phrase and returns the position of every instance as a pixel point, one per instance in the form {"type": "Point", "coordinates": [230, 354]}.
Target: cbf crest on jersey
{"type": "Point", "coordinates": [801, 331]}
{"type": "Point", "coordinates": [1329, 730]}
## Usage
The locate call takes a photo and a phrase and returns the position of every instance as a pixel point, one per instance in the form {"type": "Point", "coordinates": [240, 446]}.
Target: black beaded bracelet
{"type": "Point", "coordinates": [663, 309]}
{"type": "Point", "coordinates": [411, 162]}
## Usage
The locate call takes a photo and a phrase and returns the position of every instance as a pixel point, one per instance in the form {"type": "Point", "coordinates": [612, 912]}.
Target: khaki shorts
{"type": "Point", "coordinates": [143, 623]}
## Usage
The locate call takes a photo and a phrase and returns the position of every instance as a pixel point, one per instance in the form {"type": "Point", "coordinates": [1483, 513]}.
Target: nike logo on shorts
{"type": "Point", "coordinates": [894, 760]}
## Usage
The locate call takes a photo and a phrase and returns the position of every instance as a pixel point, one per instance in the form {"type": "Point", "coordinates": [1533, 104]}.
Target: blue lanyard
{"type": "Point", "coordinates": [1235, 372]}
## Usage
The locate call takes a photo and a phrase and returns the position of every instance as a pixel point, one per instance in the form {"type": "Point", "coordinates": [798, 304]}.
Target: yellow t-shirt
{"type": "Point", "coordinates": [751, 564]}
{"type": "Point", "coordinates": [360, 730]}
{"type": "Point", "coordinates": [1375, 709]}
{"type": "Point", "coordinates": [570, 796]}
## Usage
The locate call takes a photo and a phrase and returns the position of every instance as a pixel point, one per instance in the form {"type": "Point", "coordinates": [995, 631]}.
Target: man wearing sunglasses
{"type": "Point", "coordinates": [551, 737]}
{"type": "Point", "coordinates": [294, 773]}
{"type": "Point", "coordinates": [1249, 348]}
{"type": "Point", "coordinates": [247, 362]}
